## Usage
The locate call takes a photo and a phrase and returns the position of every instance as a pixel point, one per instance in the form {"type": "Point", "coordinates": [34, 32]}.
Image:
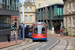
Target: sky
{"type": "Point", "coordinates": [24, 0]}
{"type": "Point", "coordinates": [21, 1]}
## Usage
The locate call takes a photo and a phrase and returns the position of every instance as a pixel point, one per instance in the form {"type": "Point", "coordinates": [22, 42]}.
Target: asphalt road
{"type": "Point", "coordinates": [45, 45]}
{"type": "Point", "coordinates": [38, 45]}
{"type": "Point", "coordinates": [34, 45]}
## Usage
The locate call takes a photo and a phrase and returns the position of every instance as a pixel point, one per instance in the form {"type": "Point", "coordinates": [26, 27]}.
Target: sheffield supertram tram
{"type": "Point", "coordinates": [39, 31]}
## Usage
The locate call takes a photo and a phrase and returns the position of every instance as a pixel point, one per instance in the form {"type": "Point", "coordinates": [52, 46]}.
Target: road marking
{"type": "Point", "coordinates": [35, 45]}
{"type": "Point", "coordinates": [37, 48]}
{"type": "Point", "coordinates": [68, 46]}
{"type": "Point", "coordinates": [44, 45]}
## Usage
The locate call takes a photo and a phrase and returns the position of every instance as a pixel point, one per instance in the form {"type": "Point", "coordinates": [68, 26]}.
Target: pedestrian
{"type": "Point", "coordinates": [12, 29]}
{"type": "Point", "coordinates": [8, 37]}
{"type": "Point", "coordinates": [61, 30]}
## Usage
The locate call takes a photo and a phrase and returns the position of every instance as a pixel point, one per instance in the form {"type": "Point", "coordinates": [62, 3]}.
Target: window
{"type": "Point", "coordinates": [39, 4]}
{"type": "Point", "coordinates": [8, 2]}
{"type": "Point", "coordinates": [17, 3]}
{"type": "Point", "coordinates": [30, 17]}
{"type": "Point", "coordinates": [14, 5]}
{"type": "Point", "coordinates": [66, 22]}
{"type": "Point", "coordinates": [74, 22]}
{"type": "Point", "coordinates": [3, 1]}
{"type": "Point", "coordinates": [39, 29]}
{"type": "Point", "coordinates": [74, 5]}
{"type": "Point", "coordinates": [61, 11]}
{"type": "Point", "coordinates": [5, 22]}
{"type": "Point", "coordinates": [55, 11]}
{"type": "Point", "coordinates": [70, 6]}
{"type": "Point", "coordinates": [25, 8]}
{"type": "Point", "coordinates": [26, 18]}
{"type": "Point", "coordinates": [66, 9]}
{"type": "Point", "coordinates": [30, 8]}
{"type": "Point", "coordinates": [70, 21]}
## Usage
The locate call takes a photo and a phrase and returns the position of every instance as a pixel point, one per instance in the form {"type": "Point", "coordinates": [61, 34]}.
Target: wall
{"type": "Point", "coordinates": [69, 17]}
{"type": "Point", "coordinates": [28, 13]}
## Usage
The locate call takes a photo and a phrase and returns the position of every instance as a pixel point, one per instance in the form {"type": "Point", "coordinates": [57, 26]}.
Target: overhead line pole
{"type": "Point", "coordinates": [23, 16]}
{"type": "Point", "coordinates": [19, 19]}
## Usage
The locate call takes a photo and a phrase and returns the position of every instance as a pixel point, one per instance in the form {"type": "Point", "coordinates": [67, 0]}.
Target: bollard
{"type": "Point", "coordinates": [66, 33]}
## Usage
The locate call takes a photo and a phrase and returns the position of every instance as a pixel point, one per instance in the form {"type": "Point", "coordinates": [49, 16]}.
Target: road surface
{"type": "Point", "coordinates": [53, 43]}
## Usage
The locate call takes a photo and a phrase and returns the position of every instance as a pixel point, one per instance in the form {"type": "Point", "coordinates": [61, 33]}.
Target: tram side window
{"type": "Point", "coordinates": [43, 30]}
{"type": "Point", "coordinates": [35, 30]}
{"type": "Point", "coordinates": [30, 30]}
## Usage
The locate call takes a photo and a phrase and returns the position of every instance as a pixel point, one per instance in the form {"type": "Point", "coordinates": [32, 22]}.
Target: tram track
{"type": "Point", "coordinates": [27, 45]}
{"type": "Point", "coordinates": [67, 44]}
{"type": "Point", "coordinates": [32, 45]}
{"type": "Point", "coordinates": [19, 46]}
{"type": "Point", "coordinates": [54, 45]}
{"type": "Point", "coordinates": [50, 48]}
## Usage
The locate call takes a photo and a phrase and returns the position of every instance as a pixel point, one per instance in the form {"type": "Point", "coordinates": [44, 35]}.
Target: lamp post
{"type": "Point", "coordinates": [19, 19]}
{"type": "Point", "coordinates": [23, 16]}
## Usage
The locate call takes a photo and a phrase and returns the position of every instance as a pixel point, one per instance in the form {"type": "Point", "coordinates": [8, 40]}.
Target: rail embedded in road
{"type": "Point", "coordinates": [61, 44]}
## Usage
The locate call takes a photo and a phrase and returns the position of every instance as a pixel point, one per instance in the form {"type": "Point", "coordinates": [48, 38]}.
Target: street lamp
{"type": "Point", "coordinates": [23, 16]}
{"type": "Point", "coordinates": [19, 19]}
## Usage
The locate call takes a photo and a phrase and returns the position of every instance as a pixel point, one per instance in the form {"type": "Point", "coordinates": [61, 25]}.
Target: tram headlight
{"type": "Point", "coordinates": [34, 34]}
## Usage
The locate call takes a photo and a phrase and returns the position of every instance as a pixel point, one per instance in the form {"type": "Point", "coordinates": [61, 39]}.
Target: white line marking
{"type": "Point", "coordinates": [37, 48]}
{"type": "Point", "coordinates": [44, 45]}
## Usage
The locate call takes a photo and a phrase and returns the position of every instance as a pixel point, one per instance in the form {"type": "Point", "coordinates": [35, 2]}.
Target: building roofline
{"type": "Point", "coordinates": [63, 0]}
{"type": "Point", "coordinates": [52, 5]}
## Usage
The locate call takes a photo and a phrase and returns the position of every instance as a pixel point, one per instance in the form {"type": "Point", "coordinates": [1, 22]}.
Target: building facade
{"type": "Point", "coordinates": [8, 12]}
{"type": "Point", "coordinates": [69, 16]}
{"type": "Point", "coordinates": [43, 3]}
{"type": "Point", "coordinates": [29, 10]}
{"type": "Point", "coordinates": [51, 15]}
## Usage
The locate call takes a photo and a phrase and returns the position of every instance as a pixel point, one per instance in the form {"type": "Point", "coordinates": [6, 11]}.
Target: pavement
{"type": "Point", "coordinates": [58, 35]}
{"type": "Point", "coordinates": [12, 42]}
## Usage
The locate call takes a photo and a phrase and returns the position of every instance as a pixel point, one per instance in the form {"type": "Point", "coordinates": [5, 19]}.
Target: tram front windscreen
{"type": "Point", "coordinates": [39, 29]}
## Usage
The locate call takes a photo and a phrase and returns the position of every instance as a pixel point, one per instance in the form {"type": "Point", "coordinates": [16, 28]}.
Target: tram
{"type": "Point", "coordinates": [28, 31]}
{"type": "Point", "coordinates": [39, 31]}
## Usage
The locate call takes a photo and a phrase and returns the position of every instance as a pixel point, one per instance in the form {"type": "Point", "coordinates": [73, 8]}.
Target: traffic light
{"type": "Point", "coordinates": [15, 24]}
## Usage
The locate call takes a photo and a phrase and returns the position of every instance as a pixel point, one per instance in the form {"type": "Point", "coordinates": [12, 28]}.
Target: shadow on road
{"type": "Point", "coordinates": [40, 41]}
